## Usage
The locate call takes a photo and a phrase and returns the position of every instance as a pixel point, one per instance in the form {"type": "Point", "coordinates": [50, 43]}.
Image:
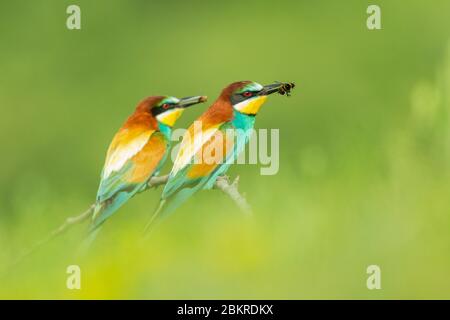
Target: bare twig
{"type": "Point", "coordinates": [70, 221]}
{"type": "Point", "coordinates": [231, 189]}
{"type": "Point", "coordinates": [157, 181]}
{"type": "Point", "coordinates": [222, 183]}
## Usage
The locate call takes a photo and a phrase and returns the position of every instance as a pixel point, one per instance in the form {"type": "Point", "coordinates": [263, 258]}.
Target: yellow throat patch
{"type": "Point", "coordinates": [170, 117]}
{"type": "Point", "coordinates": [251, 106]}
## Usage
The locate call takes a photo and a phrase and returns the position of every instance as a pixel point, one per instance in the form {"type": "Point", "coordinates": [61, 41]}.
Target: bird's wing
{"type": "Point", "coordinates": [188, 179]}
{"type": "Point", "coordinates": [125, 144]}
{"type": "Point", "coordinates": [122, 184]}
{"type": "Point", "coordinates": [132, 157]}
{"type": "Point", "coordinates": [199, 157]}
{"type": "Point", "coordinates": [191, 143]}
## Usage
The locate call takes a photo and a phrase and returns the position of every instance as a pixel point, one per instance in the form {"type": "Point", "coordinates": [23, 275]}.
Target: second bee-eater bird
{"type": "Point", "coordinates": [234, 110]}
{"type": "Point", "coordinates": [136, 153]}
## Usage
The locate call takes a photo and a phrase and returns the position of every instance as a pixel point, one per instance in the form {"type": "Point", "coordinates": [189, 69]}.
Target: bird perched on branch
{"type": "Point", "coordinates": [207, 149]}
{"type": "Point", "coordinates": [136, 153]}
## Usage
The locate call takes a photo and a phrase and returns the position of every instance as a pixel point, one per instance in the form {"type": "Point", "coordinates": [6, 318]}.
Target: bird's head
{"type": "Point", "coordinates": [247, 96]}
{"type": "Point", "coordinates": [166, 110]}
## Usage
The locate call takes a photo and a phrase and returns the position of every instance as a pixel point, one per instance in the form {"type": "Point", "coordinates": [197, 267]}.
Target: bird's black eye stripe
{"type": "Point", "coordinates": [241, 96]}
{"type": "Point", "coordinates": [161, 108]}
{"type": "Point", "coordinates": [247, 94]}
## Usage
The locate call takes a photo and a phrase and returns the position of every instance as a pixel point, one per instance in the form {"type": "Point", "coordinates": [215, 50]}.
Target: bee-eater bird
{"type": "Point", "coordinates": [234, 110]}
{"type": "Point", "coordinates": [137, 152]}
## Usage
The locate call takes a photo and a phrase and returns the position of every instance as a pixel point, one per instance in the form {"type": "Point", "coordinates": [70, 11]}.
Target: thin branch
{"type": "Point", "coordinates": [231, 189]}
{"type": "Point", "coordinates": [157, 181]}
{"type": "Point", "coordinates": [70, 221]}
{"type": "Point", "coordinates": [222, 183]}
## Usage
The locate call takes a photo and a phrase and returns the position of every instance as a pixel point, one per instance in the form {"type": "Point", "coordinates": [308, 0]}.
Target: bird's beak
{"type": "Point", "coordinates": [271, 88]}
{"type": "Point", "coordinates": [190, 101]}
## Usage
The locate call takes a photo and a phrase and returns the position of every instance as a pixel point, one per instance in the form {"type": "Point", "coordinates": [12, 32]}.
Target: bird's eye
{"type": "Point", "coordinates": [247, 94]}
{"type": "Point", "coordinates": [165, 106]}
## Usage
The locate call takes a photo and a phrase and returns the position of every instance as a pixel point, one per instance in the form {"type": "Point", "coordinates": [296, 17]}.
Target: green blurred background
{"type": "Point", "coordinates": [364, 151]}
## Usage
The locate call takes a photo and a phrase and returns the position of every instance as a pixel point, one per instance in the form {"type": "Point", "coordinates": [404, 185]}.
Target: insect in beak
{"type": "Point", "coordinates": [283, 88]}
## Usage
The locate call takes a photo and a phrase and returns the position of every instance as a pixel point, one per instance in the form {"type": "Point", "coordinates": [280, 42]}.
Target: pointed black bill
{"type": "Point", "coordinates": [190, 101]}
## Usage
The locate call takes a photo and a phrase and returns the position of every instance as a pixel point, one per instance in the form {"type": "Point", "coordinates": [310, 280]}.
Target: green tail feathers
{"type": "Point", "coordinates": [88, 241]}
{"type": "Point", "coordinates": [107, 208]}
{"type": "Point", "coordinates": [103, 211]}
{"type": "Point", "coordinates": [169, 205]}
{"type": "Point", "coordinates": [94, 228]}
{"type": "Point", "coordinates": [150, 224]}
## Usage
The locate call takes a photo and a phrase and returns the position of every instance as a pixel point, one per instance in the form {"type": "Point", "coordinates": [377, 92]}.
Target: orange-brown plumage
{"type": "Point", "coordinates": [221, 110]}
{"type": "Point", "coordinates": [142, 116]}
{"type": "Point", "coordinates": [210, 155]}
{"type": "Point", "coordinates": [146, 161]}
